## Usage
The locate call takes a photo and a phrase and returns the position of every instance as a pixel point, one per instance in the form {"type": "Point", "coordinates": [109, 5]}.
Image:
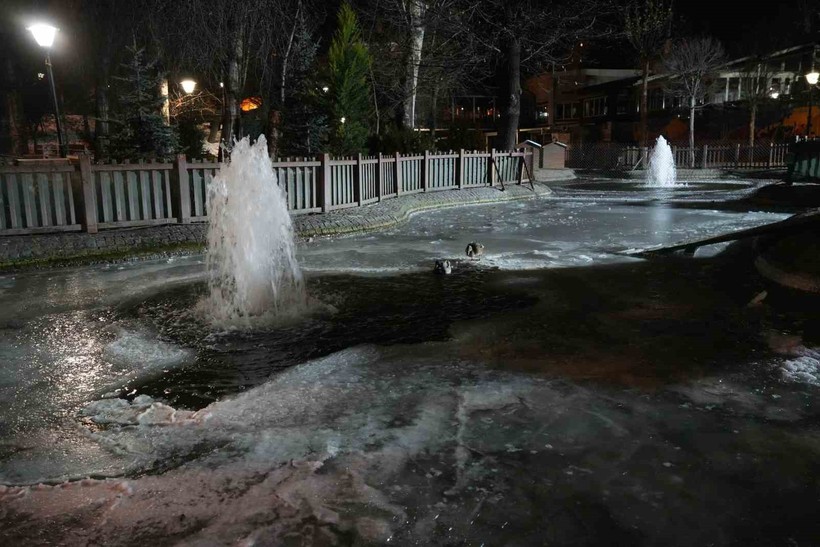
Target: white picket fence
{"type": "Point", "coordinates": [63, 195]}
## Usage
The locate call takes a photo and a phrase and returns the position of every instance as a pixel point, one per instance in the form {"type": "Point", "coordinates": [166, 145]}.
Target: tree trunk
{"type": "Point", "coordinates": [375, 100]}
{"type": "Point", "coordinates": [233, 88]}
{"type": "Point", "coordinates": [166, 100]}
{"type": "Point", "coordinates": [13, 109]}
{"type": "Point", "coordinates": [645, 104]}
{"type": "Point", "coordinates": [512, 107]}
{"type": "Point", "coordinates": [752, 119]}
{"type": "Point", "coordinates": [433, 123]}
{"type": "Point", "coordinates": [213, 130]}
{"type": "Point", "coordinates": [101, 125]}
{"type": "Point", "coordinates": [692, 132]}
{"type": "Point", "coordinates": [416, 12]}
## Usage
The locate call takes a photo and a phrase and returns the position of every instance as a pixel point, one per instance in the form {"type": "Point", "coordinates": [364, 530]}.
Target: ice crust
{"type": "Point", "coordinates": [379, 444]}
{"type": "Point", "coordinates": [804, 367]}
{"type": "Point", "coordinates": [408, 445]}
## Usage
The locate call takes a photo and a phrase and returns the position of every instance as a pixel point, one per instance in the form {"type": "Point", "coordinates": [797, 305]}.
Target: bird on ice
{"type": "Point", "coordinates": [474, 250]}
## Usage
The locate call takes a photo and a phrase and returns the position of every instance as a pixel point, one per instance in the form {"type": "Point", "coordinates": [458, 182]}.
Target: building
{"type": "Point", "coordinates": [603, 105]}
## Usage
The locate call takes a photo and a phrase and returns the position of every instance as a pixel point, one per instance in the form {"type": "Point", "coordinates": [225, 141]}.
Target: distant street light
{"type": "Point", "coordinates": [775, 94]}
{"type": "Point", "coordinates": [44, 36]}
{"type": "Point", "coordinates": [811, 78]}
{"type": "Point", "coordinates": [343, 119]}
{"type": "Point", "coordinates": [188, 86]}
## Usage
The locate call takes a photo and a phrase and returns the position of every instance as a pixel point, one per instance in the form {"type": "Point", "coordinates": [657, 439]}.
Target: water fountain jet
{"type": "Point", "coordinates": [251, 259]}
{"type": "Point", "coordinates": [660, 170]}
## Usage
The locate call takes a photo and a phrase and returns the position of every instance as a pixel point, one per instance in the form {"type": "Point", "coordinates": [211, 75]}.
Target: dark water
{"type": "Point", "coordinates": [403, 309]}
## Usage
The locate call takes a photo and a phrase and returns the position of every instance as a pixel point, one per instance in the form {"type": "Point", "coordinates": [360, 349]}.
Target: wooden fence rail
{"type": "Point", "coordinates": [64, 195]}
{"type": "Point", "coordinates": [708, 156]}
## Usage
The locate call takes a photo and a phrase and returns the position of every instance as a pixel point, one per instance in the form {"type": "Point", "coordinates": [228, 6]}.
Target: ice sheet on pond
{"type": "Point", "coordinates": [378, 444]}
{"type": "Point", "coordinates": [525, 235]}
{"type": "Point", "coordinates": [416, 443]}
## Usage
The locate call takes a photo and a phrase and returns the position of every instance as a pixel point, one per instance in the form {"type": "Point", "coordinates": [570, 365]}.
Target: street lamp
{"type": "Point", "coordinates": [811, 78]}
{"type": "Point", "coordinates": [44, 36]}
{"type": "Point", "coordinates": [188, 86]}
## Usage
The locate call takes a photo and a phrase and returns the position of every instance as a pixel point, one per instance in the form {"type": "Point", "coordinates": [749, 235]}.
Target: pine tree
{"type": "Point", "coordinates": [349, 93]}
{"type": "Point", "coordinates": [304, 123]}
{"type": "Point", "coordinates": [139, 131]}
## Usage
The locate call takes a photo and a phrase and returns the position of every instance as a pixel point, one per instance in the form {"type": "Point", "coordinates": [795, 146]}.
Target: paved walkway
{"type": "Point", "coordinates": [80, 247]}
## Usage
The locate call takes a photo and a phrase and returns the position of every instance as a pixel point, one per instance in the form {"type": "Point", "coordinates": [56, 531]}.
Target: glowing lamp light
{"type": "Point", "coordinates": [775, 94]}
{"type": "Point", "coordinates": [250, 103]}
{"type": "Point", "coordinates": [812, 77]}
{"type": "Point", "coordinates": [188, 86]}
{"type": "Point", "coordinates": [43, 34]}
{"type": "Point", "coordinates": [325, 89]}
{"type": "Point", "coordinates": [343, 119]}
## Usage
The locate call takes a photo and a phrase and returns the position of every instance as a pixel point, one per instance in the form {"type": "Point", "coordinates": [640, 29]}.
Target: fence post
{"type": "Point", "coordinates": [425, 171]}
{"type": "Point", "coordinates": [89, 197]}
{"type": "Point", "coordinates": [491, 167]}
{"type": "Point", "coordinates": [398, 174]}
{"type": "Point", "coordinates": [379, 177]}
{"type": "Point", "coordinates": [325, 197]}
{"type": "Point", "coordinates": [460, 172]}
{"type": "Point", "coordinates": [357, 185]}
{"type": "Point", "coordinates": [705, 154]}
{"type": "Point", "coordinates": [737, 155]}
{"type": "Point", "coordinates": [181, 190]}
{"type": "Point", "coordinates": [771, 151]}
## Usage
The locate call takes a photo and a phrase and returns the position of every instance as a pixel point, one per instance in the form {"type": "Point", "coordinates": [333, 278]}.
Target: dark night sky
{"type": "Point", "coordinates": [743, 24]}
{"type": "Point", "coordinates": [745, 27]}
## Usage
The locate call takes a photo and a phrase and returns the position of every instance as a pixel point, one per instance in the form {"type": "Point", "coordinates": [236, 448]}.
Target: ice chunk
{"type": "Point", "coordinates": [803, 368]}
{"type": "Point", "coordinates": [137, 353]}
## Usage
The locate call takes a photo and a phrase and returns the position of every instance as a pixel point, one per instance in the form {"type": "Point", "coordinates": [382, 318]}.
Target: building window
{"type": "Point", "coordinates": [566, 111]}
{"type": "Point", "coordinates": [655, 100]}
{"type": "Point", "coordinates": [623, 103]}
{"type": "Point", "coordinates": [595, 107]}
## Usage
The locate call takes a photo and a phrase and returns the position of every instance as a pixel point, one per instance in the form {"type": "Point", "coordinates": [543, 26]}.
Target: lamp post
{"type": "Point", "coordinates": [44, 36]}
{"type": "Point", "coordinates": [811, 78]}
{"type": "Point", "coordinates": [188, 86]}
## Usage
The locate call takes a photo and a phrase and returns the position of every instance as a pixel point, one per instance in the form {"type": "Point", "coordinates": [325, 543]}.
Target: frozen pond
{"type": "Point", "coordinates": [553, 392]}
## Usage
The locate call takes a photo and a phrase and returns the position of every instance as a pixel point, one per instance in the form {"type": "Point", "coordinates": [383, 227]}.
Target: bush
{"type": "Point", "coordinates": [462, 136]}
{"type": "Point", "coordinates": [403, 140]}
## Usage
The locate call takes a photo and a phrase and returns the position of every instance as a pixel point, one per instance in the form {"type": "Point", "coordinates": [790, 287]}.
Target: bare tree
{"type": "Point", "coordinates": [808, 12]}
{"type": "Point", "coordinates": [647, 26]}
{"type": "Point", "coordinates": [692, 65]}
{"type": "Point", "coordinates": [420, 47]}
{"type": "Point", "coordinates": [529, 35]}
{"type": "Point", "coordinates": [755, 76]}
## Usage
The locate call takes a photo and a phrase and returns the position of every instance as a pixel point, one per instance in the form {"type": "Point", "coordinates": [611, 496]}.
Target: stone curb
{"type": "Point", "coordinates": [408, 207]}
{"type": "Point", "coordinates": [801, 281]}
